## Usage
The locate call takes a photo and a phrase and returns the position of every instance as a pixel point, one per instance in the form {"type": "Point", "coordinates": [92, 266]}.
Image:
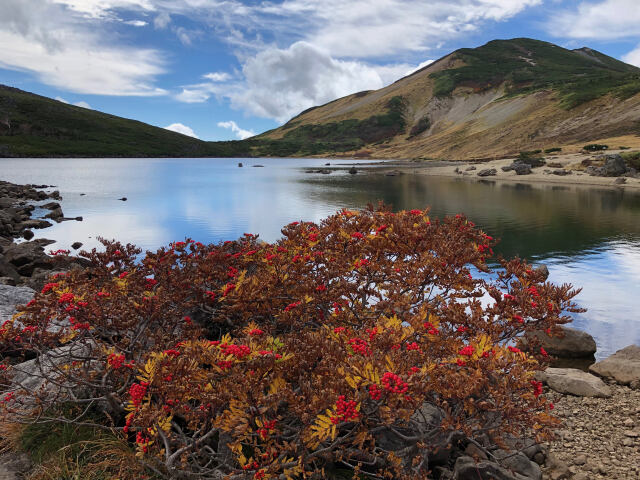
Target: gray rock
{"type": "Point", "coordinates": [14, 466]}
{"type": "Point", "coordinates": [507, 168]}
{"type": "Point", "coordinates": [623, 366]}
{"type": "Point", "coordinates": [572, 344]}
{"type": "Point", "coordinates": [466, 468]}
{"type": "Point", "coordinates": [353, 170]}
{"type": "Point", "coordinates": [487, 172]}
{"type": "Point", "coordinates": [55, 214]}
{"type": "Point", "coordinates": [522, 168]}
{"type": "Point", "coordinates": [76, 245]}
{"type": "Point", "coordinates": [520, 463]}
{"type": "Point", "coordinates": [470, 169]}
{"type": "Point", "coordinates": [10, 297]}
{"type": "Point", "coordinates": [28, 235]}
{"type": "Point", "coordinates": [620, 181]}
{"type": "Point", "coordinates": [613, 166]}
{"type": "Point", "coordinates": [574, 382]}
{"type": "Point", "coordinates": [561, 172]}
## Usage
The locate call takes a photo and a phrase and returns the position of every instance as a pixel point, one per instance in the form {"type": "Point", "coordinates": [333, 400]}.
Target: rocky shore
{"type": "Point", "coordinates": [23, 261]}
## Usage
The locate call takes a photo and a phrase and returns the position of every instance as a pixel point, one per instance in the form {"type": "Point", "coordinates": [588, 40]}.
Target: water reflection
{"type": "Point", "coordinates": [588, 237]}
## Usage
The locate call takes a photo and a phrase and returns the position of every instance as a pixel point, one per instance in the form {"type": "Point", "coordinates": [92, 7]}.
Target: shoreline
{"type": "Point", "coordinates": [468, 170]}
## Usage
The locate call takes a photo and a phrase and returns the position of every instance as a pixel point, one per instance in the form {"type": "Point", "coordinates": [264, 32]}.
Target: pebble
{"type": "Point", "coordinates": [599, 438]}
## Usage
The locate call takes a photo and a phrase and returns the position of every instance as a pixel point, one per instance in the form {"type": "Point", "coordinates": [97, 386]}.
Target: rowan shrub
{"type": "Point", "coordinates": [368, 342]}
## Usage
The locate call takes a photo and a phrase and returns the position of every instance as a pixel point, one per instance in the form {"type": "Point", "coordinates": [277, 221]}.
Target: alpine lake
{"type": "Point", "coordinates": [586, 236]}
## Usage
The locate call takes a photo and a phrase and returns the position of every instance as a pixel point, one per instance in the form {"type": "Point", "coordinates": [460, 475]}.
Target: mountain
{"type": "Point", "coordinates": [497, 99]}
{"type": "Point", "coordinates": [36, 126]}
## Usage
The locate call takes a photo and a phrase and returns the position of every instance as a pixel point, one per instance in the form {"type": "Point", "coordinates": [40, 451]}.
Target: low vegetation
{"type": "Point", "coordinates": [595, 147]}
{"type": "Point", "coordinates": [632, 159]}
{"type": "Point", "coordinates": [526, 65]}
{"type": "Point", "coordinates": [352, 348]}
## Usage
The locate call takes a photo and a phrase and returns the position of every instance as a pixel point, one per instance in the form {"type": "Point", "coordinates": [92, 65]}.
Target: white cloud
{"type": "Point", "coordinates": [103, 8]}
{"type": "Point", "coordinates": [195, 94]}
{"type": "Point", "coordinates": [217, 76]}
{"type": "Point", "coordinates": [603, 19]}
{"type": "Point", "coordinates": [81, 103]}
{"type": "Point", "coordinates": [183, 129]}
{"type": "Point", "coordinates": [72, 54]}
{"type": "Point", "coordinates": [233, 126]}
{"type": "Point", "coordinates": [280, 83]}
{"type": "Point", "coordinates": [633, 57]}
{"type": "Point", "coordinates": [136, 23]}
{"type": "Point", "coordinates": [162, 21]}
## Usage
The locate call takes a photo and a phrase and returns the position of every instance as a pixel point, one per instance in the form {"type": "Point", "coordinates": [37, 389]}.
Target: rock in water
{"type": "Point", "coordinates": [239, 164]}
{"type": "Point", "coordinates": [353, 170]}
{"type": "Point", "coordinates": [76, 245]}
{"type": "Point", "coordinates": [572, 344]}
{"type": "Point", "coordinates": [623, 366]}
{"type": "Point", "coordinates": [574, 382]}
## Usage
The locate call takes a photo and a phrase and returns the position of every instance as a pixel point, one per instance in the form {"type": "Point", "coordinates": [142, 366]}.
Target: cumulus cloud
{"type": "Point", "coordinates": [63, 51]}
{"type": "Point", "coordinates": [280, 83]}
{"type": "Point", "coordinates": [604, 19]}
{"type": "Point", "coordinates": [233, 126]}
{"type": "Point", "coordinates": [633, 57]}
{"type": "Point", "coordinates": [81, 103]}
{"type": "Point", "coordinates": [180, 128]}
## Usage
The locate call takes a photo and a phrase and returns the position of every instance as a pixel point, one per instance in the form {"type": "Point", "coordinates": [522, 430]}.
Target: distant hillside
{"type": "Point", "coordinates": [32, 125]}
{"type": "Point", "coordinates": [500, 98]}
{"type": "Point", "coordinates": [497, 99]}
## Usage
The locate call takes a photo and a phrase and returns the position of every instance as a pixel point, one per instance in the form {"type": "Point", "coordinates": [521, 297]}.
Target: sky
{"type": "Point", "coordinates": [229, 69]}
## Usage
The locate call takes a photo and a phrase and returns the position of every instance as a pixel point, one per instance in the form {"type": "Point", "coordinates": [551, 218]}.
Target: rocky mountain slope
{"type": "Point", "coordinates": [501, 98]}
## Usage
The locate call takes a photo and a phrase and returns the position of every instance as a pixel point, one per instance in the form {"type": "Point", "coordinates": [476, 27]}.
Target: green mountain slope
{"type": "Point", "coordinates": [32, 125]}
{"type": "Point", "coordinates": [505, 96]}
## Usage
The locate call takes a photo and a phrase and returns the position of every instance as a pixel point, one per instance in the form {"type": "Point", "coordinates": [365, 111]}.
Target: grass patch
{"type": "Point", "coordinates": [595, 147]}
{"type": "Point", "coordinates": [61, 451]}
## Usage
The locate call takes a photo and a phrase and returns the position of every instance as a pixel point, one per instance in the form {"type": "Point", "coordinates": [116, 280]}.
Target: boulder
{"type": "Point", "coordinates": [76, 245]}
{"type": "Point", "coordinates": [520, 463]}
{"type": "Point", "coordinates": [561, 172]}
{"type": "Point", "coordinates": [507, 168]}
{"type": "Point", "coordinates": [613, 166]}
{"type": "Point", "coordinates": [623, 366]}
{"type": "Point", "coordinates": [522, 168]}
{"type": "Point", "coordinates": [620, 181]}
{"type": "Point", "coordinates": [487, 172]}
{"type": "Point", "coordinates": [571, 343]}
{"type": "Point", "coordinates": [10, 297]}
{"type": "Point", "coordinates": [55, 214]}
{"type": "Point", "coordinates": [353, 170]}
{"type": "Point", "coordinates": [574, 382]}
{"type": "Point", "coordinates": [44, 374]}
{"type": "Point", "coordinates": [533, 162]}
{"type": "Point", "coordinates": [470, 169]}
{"type": "Point", "coordinates": [466, 468]}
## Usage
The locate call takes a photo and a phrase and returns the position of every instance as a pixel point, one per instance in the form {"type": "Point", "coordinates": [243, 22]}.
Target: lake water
{"type": "Point", "coordinates": [586, 236]}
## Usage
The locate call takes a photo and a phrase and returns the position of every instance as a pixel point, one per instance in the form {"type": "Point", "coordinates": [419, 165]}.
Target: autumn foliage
{"type": "Point", "coordinates": [368, 342]}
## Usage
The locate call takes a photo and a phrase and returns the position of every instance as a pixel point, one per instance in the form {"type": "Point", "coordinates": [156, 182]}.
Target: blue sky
{"type": "Point", "coordinates": [226, 69]}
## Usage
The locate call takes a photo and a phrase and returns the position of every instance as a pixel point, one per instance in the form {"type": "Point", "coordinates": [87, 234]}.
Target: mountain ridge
{"type": "Point", "coordinates": [494, 100]}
